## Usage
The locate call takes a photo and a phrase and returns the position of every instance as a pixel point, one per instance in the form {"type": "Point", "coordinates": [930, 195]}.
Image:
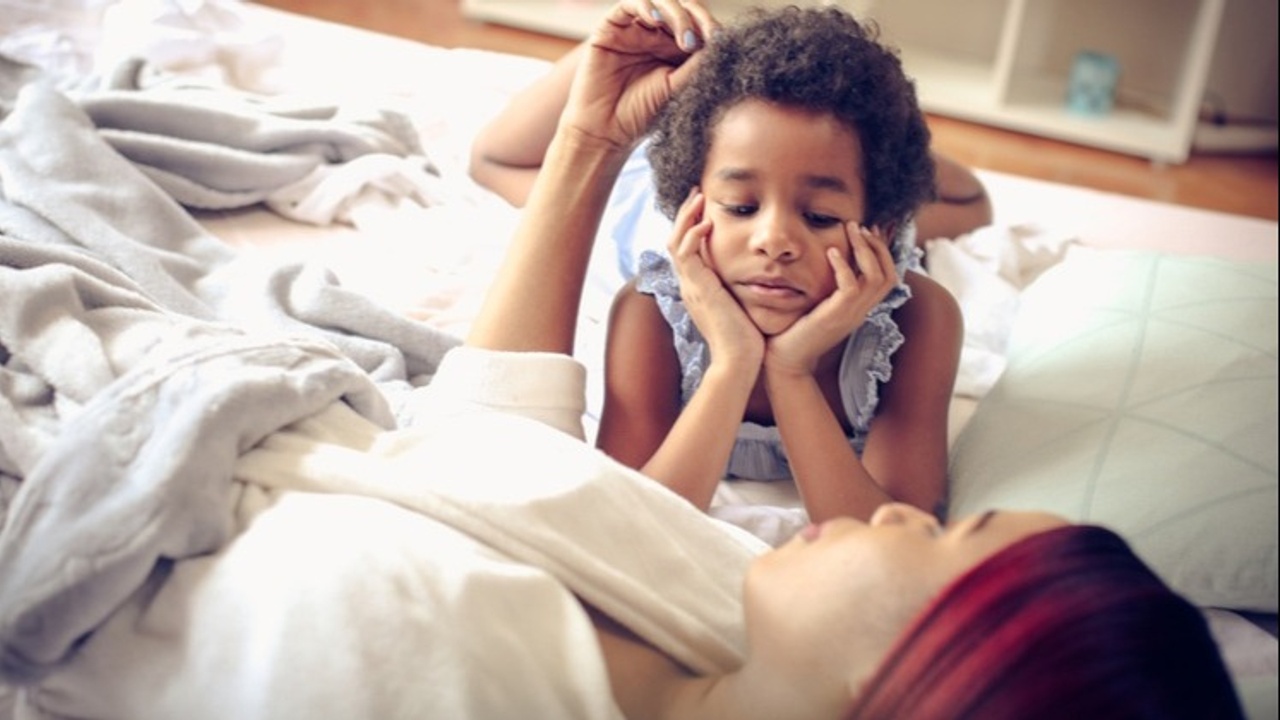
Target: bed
{"type": "Point", "coordinates": [269, 217]}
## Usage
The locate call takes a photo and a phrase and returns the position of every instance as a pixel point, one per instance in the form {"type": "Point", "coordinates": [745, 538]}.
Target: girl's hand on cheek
{"type": "Point", "coordinates": [876, 272]}
{"type": "Point", "coordinates": [860, 287]}
{"type": "Point", "coordinates": [729, 332]}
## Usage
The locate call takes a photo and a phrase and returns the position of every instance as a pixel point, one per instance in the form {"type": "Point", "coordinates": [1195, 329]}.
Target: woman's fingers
{"type": "Point", "coordinates": [649, 13]}
{"type": "Point", "coordinates": [637, 57]}
{"type": "Point", "coordinates": [694, 24]}
{"type": "Point", "coordinates": [688, 23]}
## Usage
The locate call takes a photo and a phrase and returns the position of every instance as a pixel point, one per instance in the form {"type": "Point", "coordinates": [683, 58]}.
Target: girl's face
{"type": "Point", "coordinates": [837, 595]}
{"type": "Point", "coordinates": [780, 183]}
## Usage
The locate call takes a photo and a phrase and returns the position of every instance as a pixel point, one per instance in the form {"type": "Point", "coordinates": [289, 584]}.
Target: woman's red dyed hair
{"type": "Point", "coordinates": [1067, 624]}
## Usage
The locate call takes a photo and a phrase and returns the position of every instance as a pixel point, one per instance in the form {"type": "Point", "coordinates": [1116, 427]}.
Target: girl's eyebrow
{"type": "Point", "coordinates": [734, 173]}
{"type": "Point", "coordinates": [826, 182]}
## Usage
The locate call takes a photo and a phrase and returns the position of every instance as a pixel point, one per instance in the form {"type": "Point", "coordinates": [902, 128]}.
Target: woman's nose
{"type": "Point", "coordinates": [896, 513]}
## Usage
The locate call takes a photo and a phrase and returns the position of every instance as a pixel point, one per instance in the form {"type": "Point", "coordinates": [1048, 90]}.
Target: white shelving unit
{"type": "Point", "coordinates": [1006, 63]}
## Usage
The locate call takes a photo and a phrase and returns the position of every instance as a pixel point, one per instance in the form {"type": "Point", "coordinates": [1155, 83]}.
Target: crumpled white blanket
{"type": "Point", "coordinates": [220, 45]}
{"type": "Point", "coordinates": [344, 192]}
{"type": "Point", "coordinates": [213, 39]}
{"type": "Point", "coordinates": [986, 271]}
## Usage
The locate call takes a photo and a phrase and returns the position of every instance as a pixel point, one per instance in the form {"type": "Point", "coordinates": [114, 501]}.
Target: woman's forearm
{"type": "Point", "coordinates": [555, 235]}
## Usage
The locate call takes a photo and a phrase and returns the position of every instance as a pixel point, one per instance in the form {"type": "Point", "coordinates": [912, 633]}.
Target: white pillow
{"type": "Point", "coordinates": [1140, 394]}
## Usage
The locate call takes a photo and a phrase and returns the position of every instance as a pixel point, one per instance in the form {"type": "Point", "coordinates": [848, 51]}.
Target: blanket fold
{"type": "Point", "coordinates": [214, 147]}
{"type": "Point", "coordinates": [139, 356]}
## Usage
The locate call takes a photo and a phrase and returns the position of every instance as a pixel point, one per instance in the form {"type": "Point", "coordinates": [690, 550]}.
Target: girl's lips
{"type": "Point", "coordinates": [770, 289]}
{"type": "Point", "coordinates": [770, 282]}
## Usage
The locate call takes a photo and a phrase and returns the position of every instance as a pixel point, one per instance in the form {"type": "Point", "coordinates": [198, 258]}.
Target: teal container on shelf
{"type": "Point", "coordinates": [1091, 90]}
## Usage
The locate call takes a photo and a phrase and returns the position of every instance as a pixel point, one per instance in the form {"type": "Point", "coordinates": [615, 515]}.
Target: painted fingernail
{"type": "Point", "coordinates": [690, 40]}
{"type": "Point", "coordinates": [656, 15]}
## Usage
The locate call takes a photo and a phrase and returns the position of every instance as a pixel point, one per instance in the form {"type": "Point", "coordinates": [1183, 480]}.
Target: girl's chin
{"type": "Point", "coordinates": [771, 324]}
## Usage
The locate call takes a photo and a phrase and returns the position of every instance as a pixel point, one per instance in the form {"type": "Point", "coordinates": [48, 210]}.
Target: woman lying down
{"type": "Point", "coordinates": [533, 577]}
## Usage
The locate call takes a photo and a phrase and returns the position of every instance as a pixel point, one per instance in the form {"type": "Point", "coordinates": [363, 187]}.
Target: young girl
{"type": "Point", "coordinates": [788, 335]}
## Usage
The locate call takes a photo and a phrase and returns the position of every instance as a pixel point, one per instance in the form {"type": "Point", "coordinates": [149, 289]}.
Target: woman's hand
{"type": "Point", "coordinates": [629, 69]}
{"type": "Point", "coordinates": [639, 55]}
{"type": "Point", "coordinates": [859, 288]}
{"type": "Point", "coordinates": [728, 330]}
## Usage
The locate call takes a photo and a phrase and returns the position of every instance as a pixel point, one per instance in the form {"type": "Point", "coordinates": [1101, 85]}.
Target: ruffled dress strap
{"type": "Point", "coordinates": [656, 276]}
{"type": "Point", "coordinates": [868, 354]}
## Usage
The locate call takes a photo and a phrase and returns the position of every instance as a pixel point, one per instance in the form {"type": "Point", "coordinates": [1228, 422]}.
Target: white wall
{"type": "Point", "coordinates": [1243, 73]}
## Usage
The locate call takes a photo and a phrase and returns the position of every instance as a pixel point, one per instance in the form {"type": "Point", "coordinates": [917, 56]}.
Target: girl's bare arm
{"type": "Point", "coordinates": [906, 450]}
{"type": "Point", "coordinates": [643, 424]}
{"type": "Point", "coordinates": [905, 457]}
{"type": "Point", "coordinates": [507, 154]}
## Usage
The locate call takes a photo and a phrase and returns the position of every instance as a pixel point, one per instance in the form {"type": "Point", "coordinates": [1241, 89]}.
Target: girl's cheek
{"type": "Point", "coordinates": [713, 254]}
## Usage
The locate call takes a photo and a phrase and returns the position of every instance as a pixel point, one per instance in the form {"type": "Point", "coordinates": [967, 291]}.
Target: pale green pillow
{"type": "Point", "coordinates": [1140, 394]}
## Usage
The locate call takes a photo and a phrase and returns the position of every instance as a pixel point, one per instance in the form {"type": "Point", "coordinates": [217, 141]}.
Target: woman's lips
{"type": "Point", "coordinates": [811, 532]}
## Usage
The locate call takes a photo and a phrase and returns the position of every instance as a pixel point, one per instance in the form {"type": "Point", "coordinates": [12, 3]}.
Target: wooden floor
{"type": "Point", "coordinates": [1242, 184]}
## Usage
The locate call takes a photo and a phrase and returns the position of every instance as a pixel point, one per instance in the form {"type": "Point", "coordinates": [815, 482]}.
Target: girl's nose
{"type": "Point", "coordinates": [774, 238]}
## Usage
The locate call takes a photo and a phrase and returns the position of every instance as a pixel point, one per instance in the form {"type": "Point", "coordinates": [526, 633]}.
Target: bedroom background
{"type": "Point", "coordinates": [1231, 167]}
{"type": "Point", "coordinates": [1242, 71]}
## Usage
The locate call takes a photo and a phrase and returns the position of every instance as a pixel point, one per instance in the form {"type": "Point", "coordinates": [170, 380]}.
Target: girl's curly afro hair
{"type": "Point", "coordinates": [819, 59]}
